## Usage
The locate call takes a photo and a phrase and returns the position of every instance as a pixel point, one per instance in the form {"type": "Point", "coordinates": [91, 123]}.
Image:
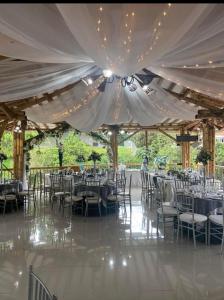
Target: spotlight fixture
{"type": "Point", "coordinates": [145, 87]}
{"type": "Point", "coordinates": [107, 73]}
{"type": "Point", "coordinates": [89, 81]}
{"type": "Point", "coordinates": [18, 127]}
{"type": "Point", "coordinates": [109, 133]}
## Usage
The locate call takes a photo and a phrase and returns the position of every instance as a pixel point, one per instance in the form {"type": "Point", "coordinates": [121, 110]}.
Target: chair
{"type": "Point", "coordinates": [165, 213]}
{"type": "Point", "coordinates": [144, 180]}
{"type": "Point", "coordinates": [190, 220]}
{"type": "Point", "coordinates": [8, 196]}
{"type": "Point", "coordinates": [44, 187]}
{"type": "Point", "coordinates": [127, 195]}
{"type": "Point", "coordinates": [30, 193]}
{"type": "Point", "coordinates": [150, 188]}
{"type": "Point", "coordinates": [216, 226]}
{"type": "Point", "coordinates": [113, 199]}
{"type": "Point", "coordinates": [71, 200]}
{"type": "Point", "coordinates": [95, 199]}
{"type": "Point", "coordinates": [58, 189]}
{"type": "Point", "coordinates": [37, 290]}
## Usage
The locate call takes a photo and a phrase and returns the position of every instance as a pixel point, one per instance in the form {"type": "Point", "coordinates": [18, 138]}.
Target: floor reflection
{"type": "Point", "coordinates": [113, 257]}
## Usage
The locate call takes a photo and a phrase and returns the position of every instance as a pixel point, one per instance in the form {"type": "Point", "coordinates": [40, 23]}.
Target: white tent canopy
{"type": "Point", "coordinates": [63, 43]}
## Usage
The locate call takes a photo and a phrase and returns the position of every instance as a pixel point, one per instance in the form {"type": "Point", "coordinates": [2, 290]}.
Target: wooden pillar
{"type": "Point", "coordinates": [185, 149]}
{"type": "Point", "coordinates": [209, 145]}
{"type": "Point", "coordinates": [18, 152]}
{"type": "Point", "coordinates": [114, 146]}
{"type": "Point", "coordinates": [146, 139]}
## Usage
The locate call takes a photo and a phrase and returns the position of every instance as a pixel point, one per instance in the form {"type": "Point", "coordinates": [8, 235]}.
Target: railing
{"type": "Point", "coordinates": [37, 289]}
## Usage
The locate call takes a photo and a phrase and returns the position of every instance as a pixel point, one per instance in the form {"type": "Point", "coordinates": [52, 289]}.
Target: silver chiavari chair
{"type": "Point", "coordinates": [37, 290]}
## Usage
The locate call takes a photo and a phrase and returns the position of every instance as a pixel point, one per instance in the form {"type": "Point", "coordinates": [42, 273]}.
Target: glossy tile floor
{"type": "Point", "coordinates": [105, 258]}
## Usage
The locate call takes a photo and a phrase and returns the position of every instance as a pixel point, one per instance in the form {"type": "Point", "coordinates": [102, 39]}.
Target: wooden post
{"type": "Point", "coordinates": [146, 139]}
{"type": "Point", "coordinates": [209, 145]}
{"type": "Point", "coordinates": [18, 152]}
{"type": "Point", "coordinates": [185, 147]}
{"type": "Point", "coordinates": [114, 146]}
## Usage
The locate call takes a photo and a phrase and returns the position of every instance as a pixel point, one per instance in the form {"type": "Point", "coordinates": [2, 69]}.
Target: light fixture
{"type": "Point", "coordinates": [18, 127]}
{"type": "Point", "coordinates": [107, 73]}
{"type": "Point", "coordinates": [145, 87]}
{"type": "Point", "coordinates": [109, 133]}
{"type": "Point", "coordinates": [89, 81]}
{"type": "Point", "coordinates": [122, 131]}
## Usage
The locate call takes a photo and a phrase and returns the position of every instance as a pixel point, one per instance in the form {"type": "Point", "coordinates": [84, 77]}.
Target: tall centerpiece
{"type": "Point", "coordinates": [81, 159]}
{"type": "Point", "coordinates": [94, 156]}
{"type": "Point", "coordinates": [203, 157]}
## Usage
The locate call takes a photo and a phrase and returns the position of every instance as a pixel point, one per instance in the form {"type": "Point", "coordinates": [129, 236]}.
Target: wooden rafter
{"type": "Point", "coordinates": [168, 135]}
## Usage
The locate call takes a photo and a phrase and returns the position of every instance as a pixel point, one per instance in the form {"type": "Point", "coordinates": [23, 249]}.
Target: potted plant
{"type": "Point", "coordinates": [203, 157]}
{"type": "Point", "coordinates": [94, 156]}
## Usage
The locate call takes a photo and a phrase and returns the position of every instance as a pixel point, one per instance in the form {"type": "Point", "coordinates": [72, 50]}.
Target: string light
{"type": "Point", "coordinates": [210, 61]}
{"type": "Point", "coordinates": [101, 8]}
{"type": "Point", "coordinates": [89, 81]}
{"type": "Point", "coordinates": [133, 14]}
{"type": "Point", "coordinates": [164, 13]}
{"type": "Point", "coordinates": [145, 87]}
{"type": "Point", "coordinates": [169, 4]}
{"type": "Point", "coordinates": [196, 65]}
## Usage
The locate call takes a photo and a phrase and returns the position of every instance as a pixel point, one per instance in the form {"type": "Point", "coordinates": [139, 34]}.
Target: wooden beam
{"type": "Point", "coordinates": [114, 146]}
{"type": "Point", "coordinates": [185, 152]}
{"type": "Point", "coordinates": [204, 114]}
{"type": "Point", "coordinates": [165, 133]}
{"type": "Point", "coordinates": [128, 137]}
{"type": "Point", "coordinates": [209, 145]}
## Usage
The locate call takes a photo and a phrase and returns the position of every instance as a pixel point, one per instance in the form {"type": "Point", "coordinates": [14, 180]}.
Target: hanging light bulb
{"type": "Point", "coordinates": [107, 73]}
{"type": "Point", "coordinates": [122, 131]}
{"type": "Point", "coordinates": [145, 87]}
{"type": "Point", "coordinates": [109, 133]}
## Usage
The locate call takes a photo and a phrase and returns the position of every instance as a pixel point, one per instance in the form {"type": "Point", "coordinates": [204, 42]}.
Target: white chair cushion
{"type": "Point", "coordinates": [76, 198]}
{"type": "Point", "coordinates": [86, 194]}
{"type": "Point", "coordinates": [217, 219]}
{"type": "Point", "coordinates": [169, 204]}
{"type": "Point", "coordinates": [92, 200]}
{"type": "Point", "coordinates": [23, 193]}
{"type": "Point", "coordinates": [8, 197]}
{"type": "Point", "coordinates": [167, 211]}
{"type": "Point", "coordinates": [188, 218]}
{"type": "Point", "coordinates": [114, 198]}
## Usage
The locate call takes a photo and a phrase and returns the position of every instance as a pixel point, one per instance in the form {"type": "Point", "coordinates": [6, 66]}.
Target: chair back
{"type": "Point", "coordinates": [120, 185]}
{"type": "Point", "coordinates": [110, 174]}
{"type": "Point", "coordinates": [37, 290]}
{"type": "Point", "coordinates": [186, 204]}
{"type": "Point", "coordinates": [93, 186]}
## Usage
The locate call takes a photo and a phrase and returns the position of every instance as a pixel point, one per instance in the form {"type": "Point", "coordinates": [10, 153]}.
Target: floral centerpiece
{"type": "Point", "coordinates": [203, 157]}
{"type": "Point", "coordinates": [80, 159]}
{"type": "Point", "coordinates": [94, 156]}
{"type": "Point", "coordinates": [161, 162]}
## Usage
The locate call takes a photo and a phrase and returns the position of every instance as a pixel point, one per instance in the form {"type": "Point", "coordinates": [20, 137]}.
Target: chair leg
{"type": "Point", "coordinates": [157, 223]}
{"type": "Point", "coordinates": [209, 232]}
{"type": "Point", "coordinates": [99, 209]}
{"type": "Point", "coordinates": [222, 240]}
{"type": "Point", "coordinates": [206, 233]}
{"type": "Point", "coordinates": [86, 211]}
{"type": "Point", "coordinates": [193, 227]}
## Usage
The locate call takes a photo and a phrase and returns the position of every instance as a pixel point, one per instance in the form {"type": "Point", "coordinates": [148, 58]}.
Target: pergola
{"type": "Point", "coordinates": [139, 67]}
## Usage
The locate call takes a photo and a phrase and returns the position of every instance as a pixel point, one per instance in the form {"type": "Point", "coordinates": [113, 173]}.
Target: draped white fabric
{"type": "Point", "coordinates": [183, 43]}
{"type": "Point", "coordinates": [114, 106]}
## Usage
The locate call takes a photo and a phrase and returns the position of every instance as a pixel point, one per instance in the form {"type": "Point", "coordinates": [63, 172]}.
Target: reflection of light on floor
{"type": "Point", "coordinates": [140, 225]}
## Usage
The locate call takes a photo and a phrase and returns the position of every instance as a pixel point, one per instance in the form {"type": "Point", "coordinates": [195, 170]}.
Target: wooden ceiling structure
{"type": "Point", "coordinates": [210, 115]}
